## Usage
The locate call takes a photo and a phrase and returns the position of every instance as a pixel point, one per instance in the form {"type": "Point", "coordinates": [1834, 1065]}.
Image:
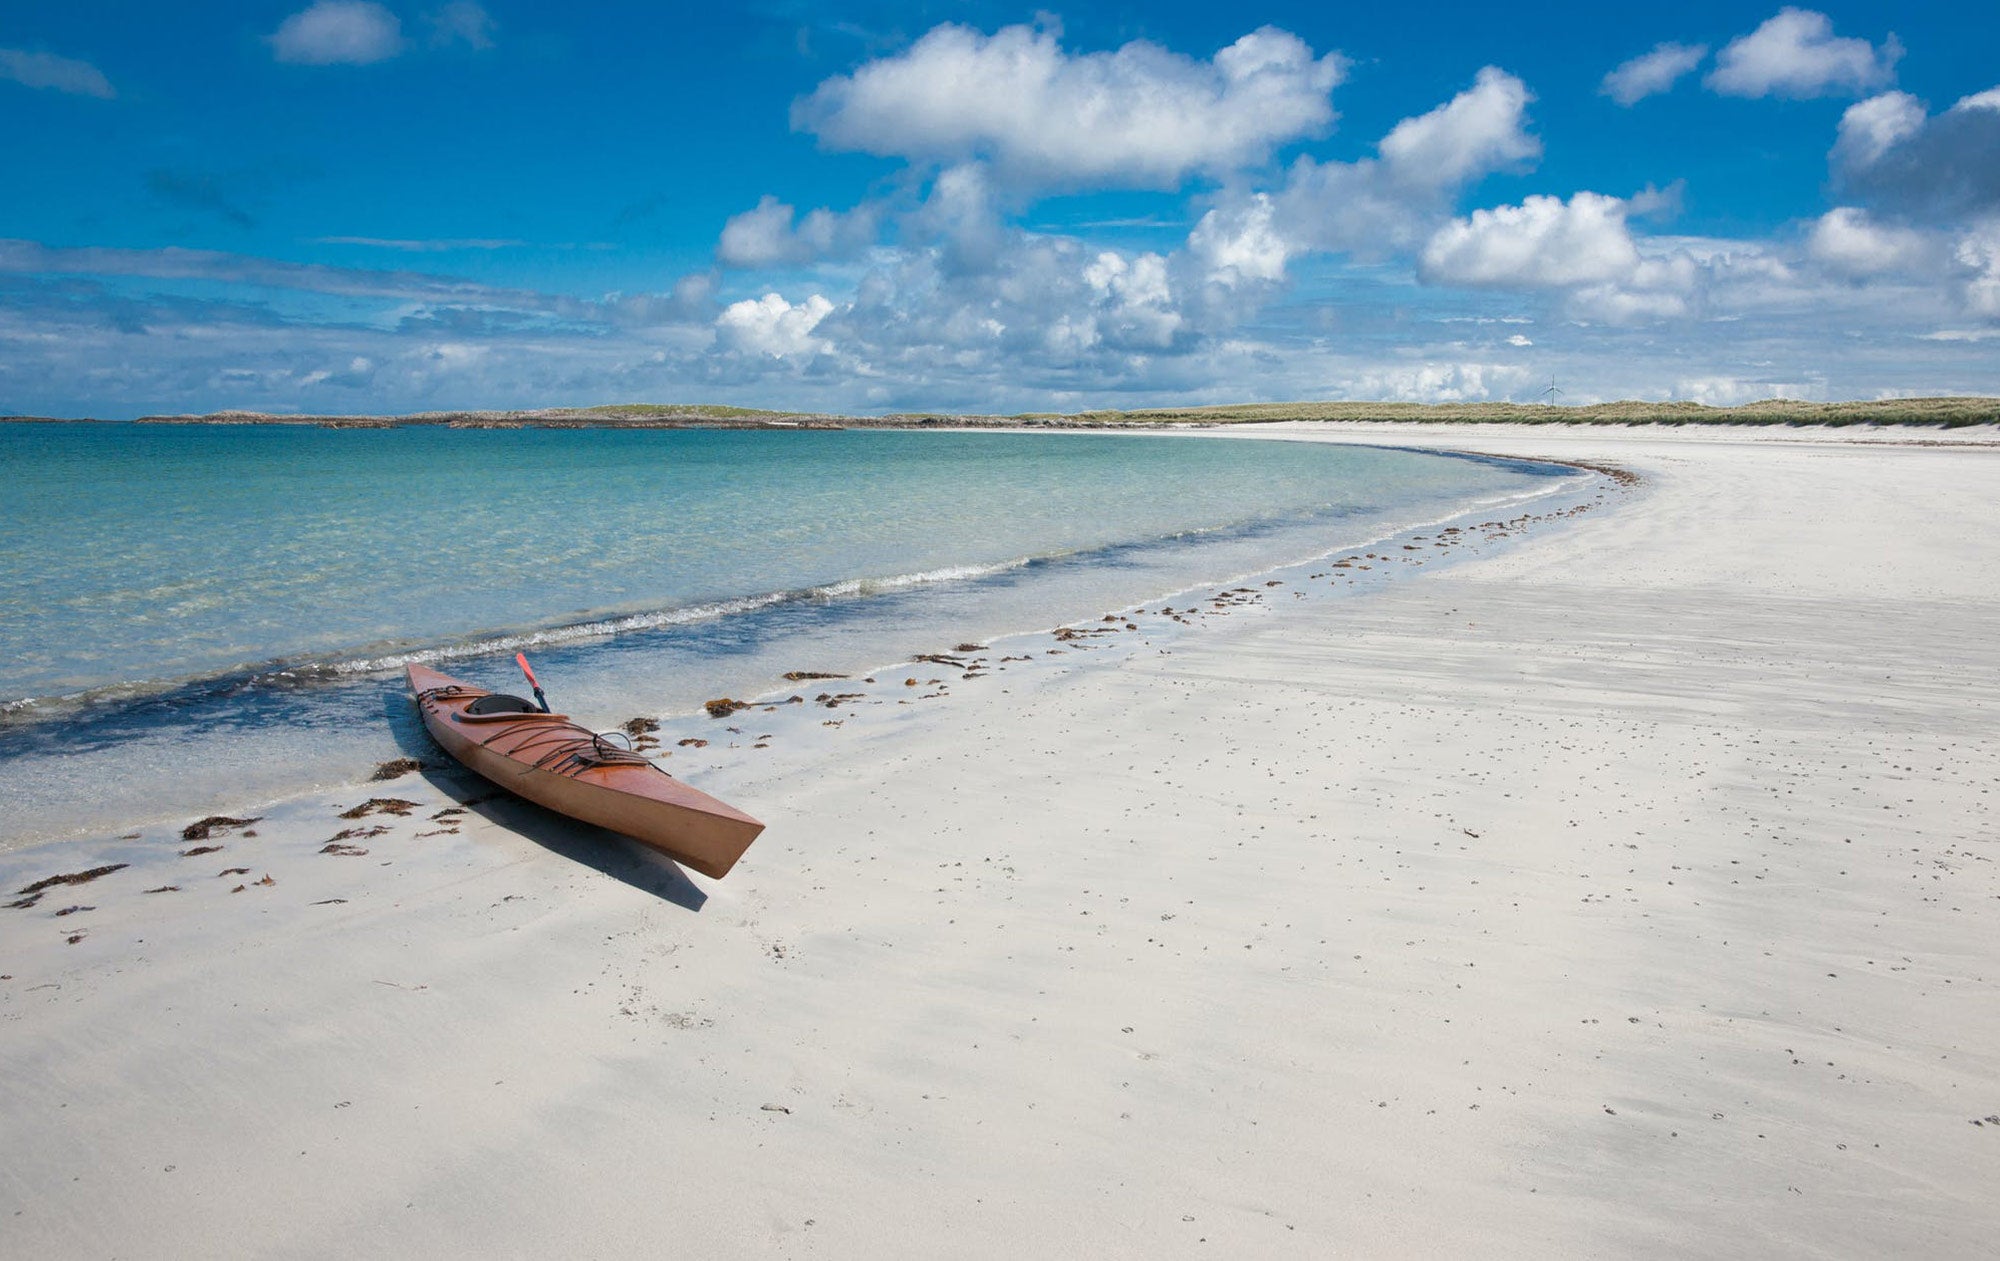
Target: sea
{"type": "Point", "coordinates": [198, 615]}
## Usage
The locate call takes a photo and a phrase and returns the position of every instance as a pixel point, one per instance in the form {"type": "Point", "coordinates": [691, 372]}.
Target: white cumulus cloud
{"type": "Point", "coordinates": [767, 234]}
{"type": "Point", "coordinates": [1872, 127]}
{"type": "Point", "coordinates": [961, 214]}
{"type": "Point", "coordinates": [338, 32]}
{"type": "Point", "coordinates": [1796, 54]}
{"type": "Point", "coordinates": [1544, 242]}
{"type": "Point", "coordinates": [1477, 131]}
{"type": "Point", "coordinates": [1650, 74]}
{"type": "Point", "coordinates": [1846, 240]}
{"type": "Point", "coordinates": [1379, 206]}
{"type": "Point", "coordinates": [772, 326]}
{"type": "Point", "coordinates": [1656, 291]}
{"type": "Point", "coordinates": [1238, 244]}
{"type": "Point", "coordinates": [1439, 383]}
{"type": "Point", "coordinates": [1139, 116]}
{"type": "Point", "coordinates": [1978, 258]}
{"type": "Point", "coordinates": [956, 270]}
{"type": "Point", "coordinates": [1582, 247]}
{"type": "Point", "coordinates": [1726, 391]}
{"type": "Point", "coordinates": [60, 74]}
{"type": "Point", "coordinates": [1135, 297]}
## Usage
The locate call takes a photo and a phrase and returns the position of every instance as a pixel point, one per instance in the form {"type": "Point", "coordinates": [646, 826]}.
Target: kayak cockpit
{"type": "Point", "coordinates": [502, 703]}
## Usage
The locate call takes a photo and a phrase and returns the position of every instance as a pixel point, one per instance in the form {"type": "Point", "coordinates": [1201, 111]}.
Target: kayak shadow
{"type": "Point", "coordinates": [603, 851]}
{"type": "Point", "coordinates": [606, 852]}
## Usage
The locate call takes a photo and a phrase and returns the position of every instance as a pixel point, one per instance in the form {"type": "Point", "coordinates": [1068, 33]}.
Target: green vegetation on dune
{"type": "Point", "coordinates": [1948, 413]}
{"type": "Point", "coordinates": [606, 415]}
{"type": "Point", "coordinates": [662, 411]}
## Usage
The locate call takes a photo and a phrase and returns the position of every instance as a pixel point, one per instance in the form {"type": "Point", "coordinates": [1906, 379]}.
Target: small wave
{"type": "Point", "coordinates": [295, 672]}
{"type": "Point", "coordinates": [657, 619]}
{"type": "Point", "coordinates": [929, 577]}
{"type": "Point", "coordinates": [514, 641]}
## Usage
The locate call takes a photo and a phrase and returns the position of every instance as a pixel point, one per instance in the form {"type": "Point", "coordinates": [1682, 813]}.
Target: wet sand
{"type": "Point", "coordinates": [1617, 881]}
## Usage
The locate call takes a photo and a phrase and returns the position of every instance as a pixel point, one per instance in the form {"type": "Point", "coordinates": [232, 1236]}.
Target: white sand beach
{"type": "Point", "coordinates": [1630, 887]}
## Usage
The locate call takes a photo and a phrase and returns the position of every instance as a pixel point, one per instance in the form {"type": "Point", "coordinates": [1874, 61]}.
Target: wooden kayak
{"type": "Point", "coordinates": [572, 770]}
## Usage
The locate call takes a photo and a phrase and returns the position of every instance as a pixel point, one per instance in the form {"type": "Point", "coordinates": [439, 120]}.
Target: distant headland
{"type": "Point", "coordinates": [1951, 412]}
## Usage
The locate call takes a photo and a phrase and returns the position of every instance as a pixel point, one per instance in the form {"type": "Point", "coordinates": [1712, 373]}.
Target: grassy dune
{"type": "Point", "coordinates": [1935, 412]}
{"type": "Point", "coordinates": [1947, 412]}
{"type": "Point", "coordinates": [665, 411]}
{"type": "Point", "coordinates": [608, 415]}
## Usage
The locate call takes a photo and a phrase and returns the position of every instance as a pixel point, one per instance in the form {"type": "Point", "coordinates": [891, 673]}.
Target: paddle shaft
{"type": "Point", "coordinates": [521, 659]}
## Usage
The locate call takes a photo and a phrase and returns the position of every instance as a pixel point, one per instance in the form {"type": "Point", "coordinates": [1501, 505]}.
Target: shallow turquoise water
{"type": "Point", "coordinates": [187, 606]}
{"type": "Point", "coordinates": [155, 553]}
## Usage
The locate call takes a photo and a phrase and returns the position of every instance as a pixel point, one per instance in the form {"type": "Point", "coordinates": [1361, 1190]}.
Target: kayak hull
{"type": "Point", "coordinates": [556, 763]}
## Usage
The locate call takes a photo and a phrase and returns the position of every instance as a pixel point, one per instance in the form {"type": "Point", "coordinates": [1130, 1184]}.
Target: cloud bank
{"type": "Point", "coordinates": [1271, 258]}
{"type": "Point", "coordinates": [1140, 116]}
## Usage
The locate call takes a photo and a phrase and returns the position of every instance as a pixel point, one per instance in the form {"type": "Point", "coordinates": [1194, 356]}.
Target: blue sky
{"type": "Point", "coordinates": [349, 206]}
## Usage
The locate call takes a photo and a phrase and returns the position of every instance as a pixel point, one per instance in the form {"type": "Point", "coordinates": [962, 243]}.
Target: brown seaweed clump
{"type": "Point", "coordinates": [396, 768]}
{"type": "Point", "coordinates": [32, 893]}
{"type": "Point", "coordinates": [383, 805]}
{"type": "Point", "coordinates": [724, 706]}
{"type": "Point", "coordinates": [74, 877]}
{"type": "Point", "coordinates": [202, 829]}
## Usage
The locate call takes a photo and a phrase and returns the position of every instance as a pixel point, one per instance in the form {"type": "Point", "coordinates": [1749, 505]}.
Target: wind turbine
{"type": "Point", "coordinates": [1551, 393]}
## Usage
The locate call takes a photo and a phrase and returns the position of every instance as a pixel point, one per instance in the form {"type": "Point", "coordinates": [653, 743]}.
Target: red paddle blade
{"type": "Point", "coordinates": [521, 658]}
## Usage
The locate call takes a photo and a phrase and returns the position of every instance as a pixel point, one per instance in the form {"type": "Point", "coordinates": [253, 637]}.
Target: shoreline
{"type": "Point", "coordinates": [39, 720]}
{"type": "Point", "coordinates": [1627, 891]}
{"type": "Point", "coordinates": [880, 683]}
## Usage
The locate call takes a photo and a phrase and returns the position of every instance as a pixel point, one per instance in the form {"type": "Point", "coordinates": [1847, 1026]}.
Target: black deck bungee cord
{"type": "Point", "coordinates": [576, 747]}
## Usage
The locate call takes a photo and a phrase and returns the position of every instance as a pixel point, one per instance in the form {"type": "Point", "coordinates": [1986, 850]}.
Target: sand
{"type": "Point", "coordinates": [1624, 885]}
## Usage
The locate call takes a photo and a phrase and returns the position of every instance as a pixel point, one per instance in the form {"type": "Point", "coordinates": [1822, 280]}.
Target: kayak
{"type": "Point", "coordinates": [575, 771]}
